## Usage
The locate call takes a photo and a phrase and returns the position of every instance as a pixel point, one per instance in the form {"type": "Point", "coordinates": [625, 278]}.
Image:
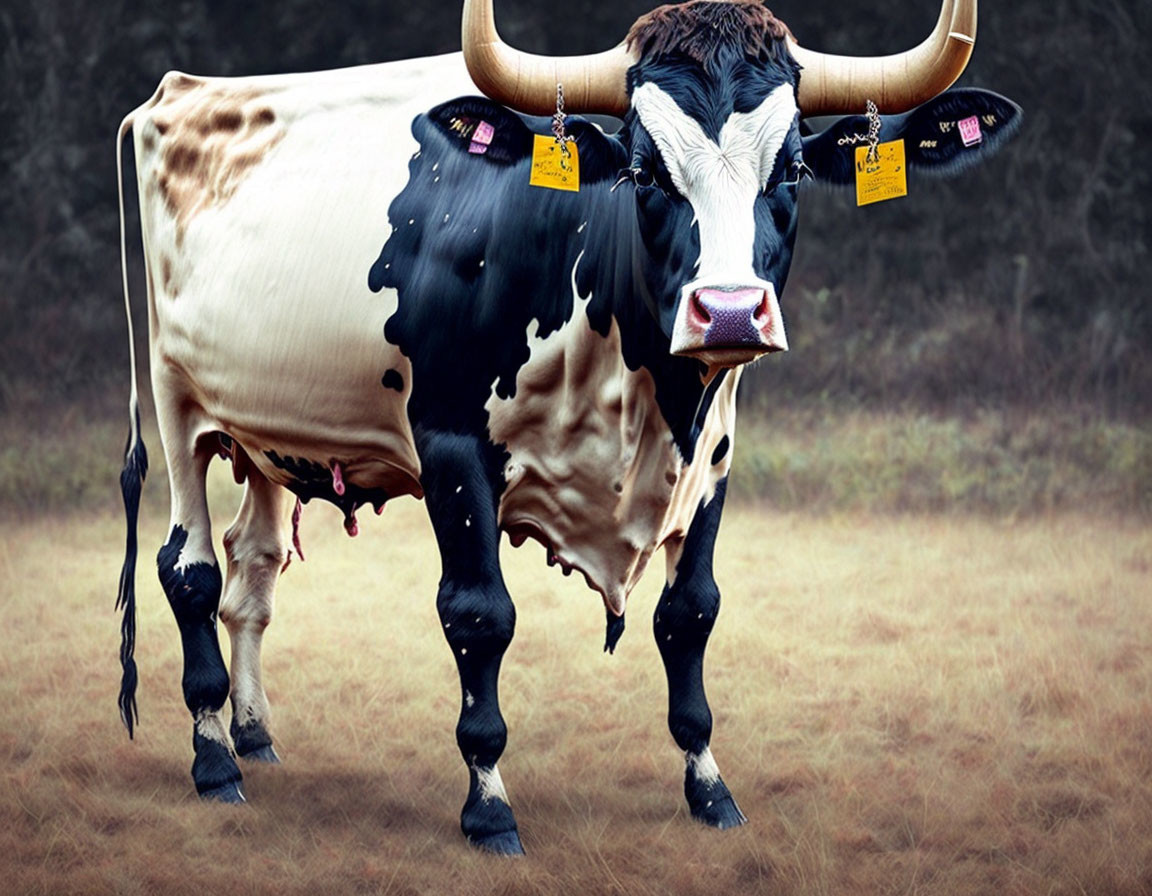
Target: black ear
{"type": "Point", "coordinates": [934, 135]}
{"type": "Point", "coordinates": [479, 127]}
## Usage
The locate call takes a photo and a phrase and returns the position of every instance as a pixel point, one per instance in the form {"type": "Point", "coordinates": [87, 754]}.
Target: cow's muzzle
{"type": "Point", "coordinates": [728, 325]}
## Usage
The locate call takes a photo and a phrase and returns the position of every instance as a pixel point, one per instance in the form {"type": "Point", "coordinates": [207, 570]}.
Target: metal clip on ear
{"type": "Point", "coordinates": [873, 132]}
{"type": "Point", "coordinates": [558, 131]}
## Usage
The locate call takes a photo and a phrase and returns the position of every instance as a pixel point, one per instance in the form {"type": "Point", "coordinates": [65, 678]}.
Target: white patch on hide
{"type": "Point", "coordinates": [593, 471]}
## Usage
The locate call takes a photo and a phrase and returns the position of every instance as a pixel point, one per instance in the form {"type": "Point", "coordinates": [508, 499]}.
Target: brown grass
{"type": "Point", "coordinates": [903, 705]}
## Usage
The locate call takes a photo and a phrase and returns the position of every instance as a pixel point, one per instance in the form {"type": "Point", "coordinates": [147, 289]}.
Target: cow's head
{"type": "Point", "coordinates": [715, 163]}
{"type": "Point", "coordinates": [712, 93]}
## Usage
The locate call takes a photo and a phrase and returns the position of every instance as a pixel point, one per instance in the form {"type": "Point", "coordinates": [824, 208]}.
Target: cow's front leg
{"type": "Point", "coordinates": [683, 621]}
{"type": "Point", "coordinates": [478, 620]}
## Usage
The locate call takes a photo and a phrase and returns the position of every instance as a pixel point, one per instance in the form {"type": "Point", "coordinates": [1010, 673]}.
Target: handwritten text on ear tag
{"type": "Point", "coordinates": [552, 167]}
{"type": "Point", "coordinates": [883, 177]}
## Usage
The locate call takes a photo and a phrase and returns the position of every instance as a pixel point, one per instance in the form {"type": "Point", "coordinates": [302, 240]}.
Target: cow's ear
{"type": "Point", "coordinates": [480, 127]}
{"type": "Point", "coordinates": [956, 130]}
{"type": "Point", "coordinates": [945, 135]}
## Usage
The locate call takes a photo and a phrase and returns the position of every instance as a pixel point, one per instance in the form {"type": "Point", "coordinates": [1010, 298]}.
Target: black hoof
{"type": "Point", "coordinates": [253, 742]}
{"type": "Point", "coordinates": [226, 793]}
{"type": "Point", "coordinates": [720, 814]}
{"type": "Point", "coordinates": [262, 754]}
{"type": "Point", "coordinates": [215, 772]}
{"type": "Point", "coordinates": [506, 843]}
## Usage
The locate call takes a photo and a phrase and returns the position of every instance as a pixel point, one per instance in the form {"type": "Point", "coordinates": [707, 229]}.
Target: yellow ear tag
{"type": "Point", "coordinates": [552, 167]}
{"type": "Point", "coordinates": [883, 178]}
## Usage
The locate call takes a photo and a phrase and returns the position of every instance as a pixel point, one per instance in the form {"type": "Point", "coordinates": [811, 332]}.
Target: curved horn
{"type": "Point", "coordinates": [839, 84]}
{"type": "Point", "coordinates": [527, 82]}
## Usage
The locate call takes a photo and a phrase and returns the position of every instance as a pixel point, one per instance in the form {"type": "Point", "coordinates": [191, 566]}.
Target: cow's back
{"type": "Point", "coordinates": [264, 203]}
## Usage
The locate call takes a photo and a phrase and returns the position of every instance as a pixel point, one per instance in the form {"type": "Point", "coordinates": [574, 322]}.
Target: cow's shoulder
{"type": "Point", "coordinates": [477, 254]}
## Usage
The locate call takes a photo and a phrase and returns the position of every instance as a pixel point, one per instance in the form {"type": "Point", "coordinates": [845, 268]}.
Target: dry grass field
{"type": "Point", "coordinates": [904, 704]}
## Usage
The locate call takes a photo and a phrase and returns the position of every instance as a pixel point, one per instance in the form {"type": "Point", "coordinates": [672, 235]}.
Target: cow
{"type": "Point", "coordinates": [353, 314]}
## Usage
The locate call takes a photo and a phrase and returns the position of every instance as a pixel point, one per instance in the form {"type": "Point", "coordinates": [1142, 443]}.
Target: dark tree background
{"type": "Point", "coordinates": [1022, 282]}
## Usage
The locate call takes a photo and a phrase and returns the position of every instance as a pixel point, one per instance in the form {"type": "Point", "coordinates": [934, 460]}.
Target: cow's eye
{"type": "Point", "coordinates": [641, 177]}
{"type": "Point", "coordinates": [796, 172]}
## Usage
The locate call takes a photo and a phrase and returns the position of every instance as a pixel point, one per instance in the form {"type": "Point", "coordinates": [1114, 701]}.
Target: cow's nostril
{"type": "Point", "coordinates": [763, 311]}
{"type": "Point", "coordinates": [700, 308]}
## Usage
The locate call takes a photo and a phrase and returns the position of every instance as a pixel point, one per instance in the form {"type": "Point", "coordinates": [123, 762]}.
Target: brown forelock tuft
{"type": "Point", "coordinates": [700, 28]}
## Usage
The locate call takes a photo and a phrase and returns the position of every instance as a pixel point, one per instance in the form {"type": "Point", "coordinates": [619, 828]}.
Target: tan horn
{"type": "Point", "coordinates": [840, 84]}
{"type": "Point", "coordinates": [527, 82]}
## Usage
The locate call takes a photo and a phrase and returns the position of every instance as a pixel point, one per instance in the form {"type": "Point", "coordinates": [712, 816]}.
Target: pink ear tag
{"type": "Point", "coordinates": [482, 138]}
{"type": "Point", "coordinates": [970, 131]}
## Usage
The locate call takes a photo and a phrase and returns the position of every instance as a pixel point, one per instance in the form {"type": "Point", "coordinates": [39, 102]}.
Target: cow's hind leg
{"type": "Point", "coordinates": [478, 620]}
{"type": "Point", "coordinates": [191, 579]}
{"type": "Point", "coordinates": [256, 545]}
{"type": "Point", "coordinates": [683, 621]}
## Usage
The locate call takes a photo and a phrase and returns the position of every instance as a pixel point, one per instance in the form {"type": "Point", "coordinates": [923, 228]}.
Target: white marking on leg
{"type": "Point", "coordinates": [209, 725]}
{"type": "Point", "coordinates": [490, 784]}
{"type": "Point", "coordinates": [469, 700]}
{"type": "Point", "coordinates": [704, 767]}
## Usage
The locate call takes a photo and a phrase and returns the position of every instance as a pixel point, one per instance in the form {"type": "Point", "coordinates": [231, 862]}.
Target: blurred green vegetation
{"type": "Point", "coordinates": [991, 463]}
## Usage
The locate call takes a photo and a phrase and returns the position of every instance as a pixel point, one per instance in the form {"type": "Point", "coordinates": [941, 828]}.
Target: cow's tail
{"type": "Point", "coordinates": [131, 480]}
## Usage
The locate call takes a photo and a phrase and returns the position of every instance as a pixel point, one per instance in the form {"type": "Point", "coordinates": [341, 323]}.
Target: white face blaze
{"type": "Point", "coordinates": [720, 180]}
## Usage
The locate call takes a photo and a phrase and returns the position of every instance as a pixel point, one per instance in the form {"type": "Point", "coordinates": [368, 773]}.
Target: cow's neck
{"type": "Point", "coordinates": [611, 272]}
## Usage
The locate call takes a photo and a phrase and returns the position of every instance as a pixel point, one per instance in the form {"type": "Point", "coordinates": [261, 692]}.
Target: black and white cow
{"type": "Point", "coordinates": [560, 365]}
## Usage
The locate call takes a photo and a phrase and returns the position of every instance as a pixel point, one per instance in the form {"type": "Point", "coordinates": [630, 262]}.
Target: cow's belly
{"type": "Point", "coordinates": [278, 338]}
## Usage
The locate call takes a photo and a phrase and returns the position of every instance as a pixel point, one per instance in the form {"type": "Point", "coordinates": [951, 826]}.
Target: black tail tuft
{"type": "Point", "coordinates": [131, 482]}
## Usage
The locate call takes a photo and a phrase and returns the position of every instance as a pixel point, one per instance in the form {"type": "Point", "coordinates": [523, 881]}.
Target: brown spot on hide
{"type": "Point", "coordinates": [149, 142]}
{"type": "Point", "coordinates": [699, 29]}
{"type": "Point", "coordinates": [182, 158]}
{"type": "Point", "coordinates": [211, 138]}
{"type": "Point", "coordinates": [166, 273]}
{"type": "Point", "coordinates": [227, 120]}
